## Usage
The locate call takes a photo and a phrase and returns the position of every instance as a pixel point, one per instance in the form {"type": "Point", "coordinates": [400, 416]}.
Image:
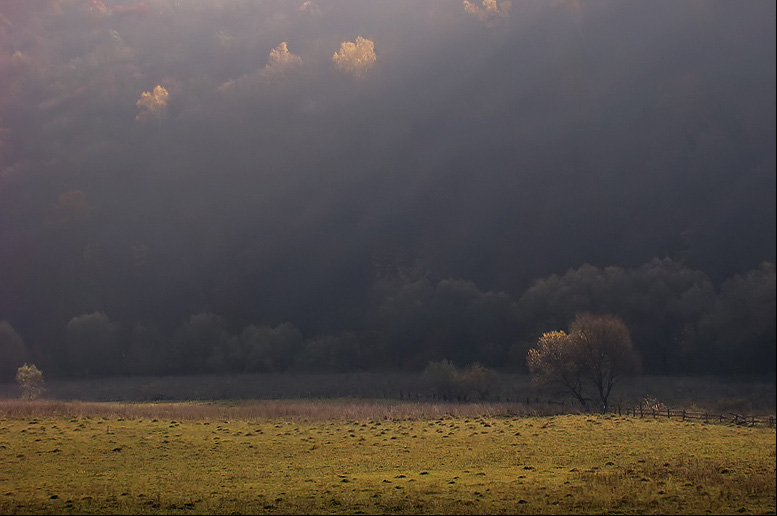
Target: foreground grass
{"type": "Point", "coordinates": [137, 459]}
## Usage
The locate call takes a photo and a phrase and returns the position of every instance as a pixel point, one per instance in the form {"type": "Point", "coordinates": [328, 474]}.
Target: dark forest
{"type": "Point", "coordinates": [238, 186]}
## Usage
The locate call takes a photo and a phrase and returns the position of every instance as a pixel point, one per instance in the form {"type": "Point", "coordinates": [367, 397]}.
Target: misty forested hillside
{"type": "Point", "coordinates": [239, 186]}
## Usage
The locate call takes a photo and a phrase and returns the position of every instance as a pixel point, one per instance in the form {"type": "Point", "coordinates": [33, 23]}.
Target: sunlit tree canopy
{"type": "Point", "coordinates": [355, 57]}
{"type": "Point", "coordinates": [152, 105]}
{"type": "Point", "coordinates": [490, 9]}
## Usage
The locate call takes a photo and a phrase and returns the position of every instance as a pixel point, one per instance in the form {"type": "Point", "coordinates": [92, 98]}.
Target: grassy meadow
{"type": "Point", "coordinates": [350, 457]}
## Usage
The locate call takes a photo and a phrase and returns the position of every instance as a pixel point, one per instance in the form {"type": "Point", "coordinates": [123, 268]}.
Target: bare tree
{"type": "Point", "coordinates": [608, 354]}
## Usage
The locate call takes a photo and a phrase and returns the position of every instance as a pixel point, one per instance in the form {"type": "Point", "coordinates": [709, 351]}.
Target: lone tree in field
{"type": "Point", "coordinates": [558, 360]}
{"type": "Point", "coordinates": [31, 382]}
{"type": "Point", "coordinates": [609, 355]}
{"type": "Point", "coordinates": [597, 352]}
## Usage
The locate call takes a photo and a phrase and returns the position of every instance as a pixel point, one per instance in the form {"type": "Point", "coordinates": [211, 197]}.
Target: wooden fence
{"type": "Point", "coordinates": [707, 417]}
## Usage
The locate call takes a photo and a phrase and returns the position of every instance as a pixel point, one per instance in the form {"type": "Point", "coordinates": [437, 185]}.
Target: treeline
{"type": "Point", "coordinates": [680, 323]}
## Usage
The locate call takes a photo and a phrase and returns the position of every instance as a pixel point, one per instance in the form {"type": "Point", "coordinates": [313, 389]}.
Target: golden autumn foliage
{"type": "Point", "coordinates": [597, 351]}
{"type": "Point", "coordinates": [97, 8]}
{"type": "Point", "coordinates": [31, 381]}
{"type": "Point", "coordinates": [558, 359]}
{"type": "Point", "coordinates": [280, 55]}
{"type": "Point", "coordinates": [355, 57]}
{"type": "Point", "coordinates": [152, 105]}
{"type": "Point", "coordinates": [489, 10]}
{"type": "Point", "coordinates": [281, 61]}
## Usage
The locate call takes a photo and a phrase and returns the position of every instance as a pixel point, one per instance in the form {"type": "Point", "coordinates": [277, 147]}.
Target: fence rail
{"type": "Point", "coordinates": [707, 417]}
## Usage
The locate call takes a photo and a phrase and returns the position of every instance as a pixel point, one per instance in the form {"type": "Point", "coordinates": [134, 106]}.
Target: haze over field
{"type": "Point", "coordinates": [194, 186]}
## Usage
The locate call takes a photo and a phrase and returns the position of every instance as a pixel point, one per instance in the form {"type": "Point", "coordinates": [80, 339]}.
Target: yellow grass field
{"type": "Point", "coordinates": [188, 458]}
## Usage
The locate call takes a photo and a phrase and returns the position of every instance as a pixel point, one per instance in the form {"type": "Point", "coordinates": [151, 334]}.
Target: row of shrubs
{"type": "Point", "coordinates": [450, 383]}
{"type": "Point", "coordinates": [446, 382]}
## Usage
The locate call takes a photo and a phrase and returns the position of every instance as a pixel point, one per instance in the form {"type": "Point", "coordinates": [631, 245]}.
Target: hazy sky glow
{"type": "Point", "coordinates": [264, 161]}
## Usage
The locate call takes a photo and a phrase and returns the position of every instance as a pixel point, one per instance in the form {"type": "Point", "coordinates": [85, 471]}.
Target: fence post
{"type": "Point", "coordinates": [683, 414]}
{"type": "Point", "coordinates": [668, 414]}
{"type": "Point", "coordinates": [705, 417]}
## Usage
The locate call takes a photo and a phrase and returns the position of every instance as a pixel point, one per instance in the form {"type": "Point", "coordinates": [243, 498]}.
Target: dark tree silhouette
{"type": "Point", "coordinates": [607, 352]}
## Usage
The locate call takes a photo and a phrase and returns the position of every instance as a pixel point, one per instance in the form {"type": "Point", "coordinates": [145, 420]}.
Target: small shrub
{"type": "Point", "coordinates": [31, 382]}
{"type": "Point", "coordinates": [450, 383]}
{"type": "Point", "coordinates": [482, 382]}
{"type": "Point", "coordinates": [652, 403]}
{"type": "Point", "coordinates": [445, 380]}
